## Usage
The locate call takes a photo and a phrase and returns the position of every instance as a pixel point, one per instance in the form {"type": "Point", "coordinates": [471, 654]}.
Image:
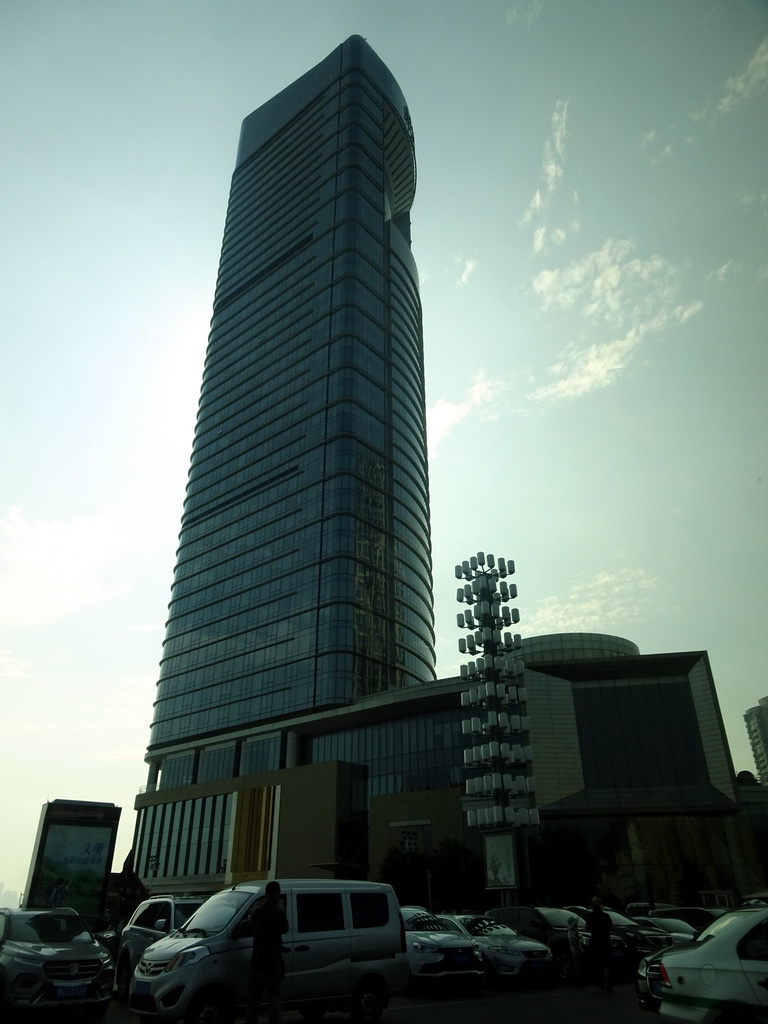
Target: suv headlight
{"type": "Point", "coordinates": [27, 960]}
{"type": "Point", "coordinates": [426, 947]}
{"type": "Point", "coordinates": [187, 957]}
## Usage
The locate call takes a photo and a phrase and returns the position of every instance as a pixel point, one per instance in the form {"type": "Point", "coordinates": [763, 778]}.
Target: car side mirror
{"type": "Point", "coordinates": [161, 925]}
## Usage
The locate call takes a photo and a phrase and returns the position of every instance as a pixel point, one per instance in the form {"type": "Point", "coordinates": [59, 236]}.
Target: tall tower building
{"type": "Point", "coordinates": [303, 577]}
{"type": "Point", "coordinates": [757, 729]}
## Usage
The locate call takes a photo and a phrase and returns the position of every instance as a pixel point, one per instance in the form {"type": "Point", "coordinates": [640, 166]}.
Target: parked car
{"type": "Point", "coordinates": [51, 959]}
{"type": "Point", "coordinates": [648, 982]}
{"type": "Point", "coordinates": [505, 953]}
{"type": "Point", "coordinates": [550, 926]}
{"type": "Point", "coordinates": [153, 919]}
{"type": "Point", "coordinates": [644, 909]}
{"type": "Point", "coordinates": [677, 929]}
{"type": "Point", "coordinates": [639, 940]}
{"type": "Point", "coordinates": [722, 977]}
{"type": "Point", "coordinates": [344, 951]}
{"type": "Point", "coordinates": [438, 954]}
{"type": "Point", "coordinates": [699, 917]}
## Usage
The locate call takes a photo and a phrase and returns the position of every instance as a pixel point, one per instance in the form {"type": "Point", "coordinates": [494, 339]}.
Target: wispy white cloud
{"type": "Point", "coordinates": [49, 570]}
{"type": "Point", "coordinates": [610, 600]}
{"type": "Point", "coordinates": [758, 202]}
{"type": "Point", "coordinates": [738, 89]}
{"type": "Point", "coordinates": [525, 13]}
{"type": "Point", "coordinates": [612, 292]}
{"type": "Point", "coordinates": [466, 273]}
{"type": "Point", "coordinates": [722, 274]}
{"type": "Point", "coordinates": [552, 165]}
{"type": "Point", "coordinates": [12, 667]}
{"type": "Point", "coordinates": [481, 399]}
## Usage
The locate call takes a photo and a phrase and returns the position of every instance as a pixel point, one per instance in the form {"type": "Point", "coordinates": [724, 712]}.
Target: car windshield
{"type": "Point", "coordinates": [555, 916]}
{"type": "Point", "coordinates": [672, 924]}
{"type": "Point", "coordinates": [619, 919]}
{"type": "Point", "coordinates": [183, 910]}
{"type": "Point", "coordinates": [422, 921]}
{"type": "Point", "coordinates": [50, 928]}
{"type": "Point", "coordinates": [487, 926]}
{"type": "Point", "coordinates": [216, 913]}
{"type": "Point", "coordinates": [451, 926]}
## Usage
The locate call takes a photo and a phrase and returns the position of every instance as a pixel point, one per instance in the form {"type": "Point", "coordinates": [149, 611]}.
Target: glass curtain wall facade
{"type": "Point", "coordinates": [303, 577]}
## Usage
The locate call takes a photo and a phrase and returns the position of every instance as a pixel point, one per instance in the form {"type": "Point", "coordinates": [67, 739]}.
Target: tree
{"type": "Point", "coordinates": [450, 879]}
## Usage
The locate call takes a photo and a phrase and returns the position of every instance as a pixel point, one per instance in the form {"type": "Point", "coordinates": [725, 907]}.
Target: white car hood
{"type": "Point", "coordinates": [167, 947]}
{"type": "Point", "coordinates": [514, 942]}
{"type": "Point", "coordinates": [48, 952]}
{"type": "Point", "coordinates": [441, 938]}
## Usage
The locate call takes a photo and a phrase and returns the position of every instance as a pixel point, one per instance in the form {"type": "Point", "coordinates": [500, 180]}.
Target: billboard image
{"type": "Point", "coordinates": [500, 860]}
{"type": "Point", "coordinates": [73, 856]}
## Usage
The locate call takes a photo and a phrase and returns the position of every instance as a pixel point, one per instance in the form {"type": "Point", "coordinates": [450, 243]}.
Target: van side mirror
{"type": "Point", "coordinates": [244, 928]}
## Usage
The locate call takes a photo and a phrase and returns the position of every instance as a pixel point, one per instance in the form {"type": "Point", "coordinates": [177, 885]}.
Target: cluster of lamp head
{"type": "Point", "coordinates": [496, 782]}
{"type": "Point", "coordinates": [492, 692]}
{"type": "Point", "coordinates": [502, 816]}
{"type": "Point", "coordinates": [481, 562]}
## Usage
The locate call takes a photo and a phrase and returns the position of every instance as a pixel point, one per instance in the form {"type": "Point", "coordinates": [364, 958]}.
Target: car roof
{"type": "Point", "coordinates": [256, 885]}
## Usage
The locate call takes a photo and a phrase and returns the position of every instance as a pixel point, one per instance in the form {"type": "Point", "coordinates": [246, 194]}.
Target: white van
{"type": "Point", "coordinates": [345, 950]}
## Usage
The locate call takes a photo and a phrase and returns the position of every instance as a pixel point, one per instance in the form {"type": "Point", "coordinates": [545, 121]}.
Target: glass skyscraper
{"type": "Point", "coordinates": [303, 576]}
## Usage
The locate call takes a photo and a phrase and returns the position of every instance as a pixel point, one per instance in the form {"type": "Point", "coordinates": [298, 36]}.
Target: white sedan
{"type": "Point", "coordinates": [722, 977]}
{"type": "Point", "coordinates": [506, 953]}
{"type": "Point", "coordinates": [437, 955]}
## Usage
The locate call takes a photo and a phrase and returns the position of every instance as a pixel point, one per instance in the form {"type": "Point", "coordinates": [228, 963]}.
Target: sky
{"type": "Point", "coordinates": [591, 231]}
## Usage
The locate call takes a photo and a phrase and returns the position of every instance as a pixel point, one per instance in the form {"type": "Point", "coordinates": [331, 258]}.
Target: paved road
{"type": "Point", "coordinates": [558, 1005]}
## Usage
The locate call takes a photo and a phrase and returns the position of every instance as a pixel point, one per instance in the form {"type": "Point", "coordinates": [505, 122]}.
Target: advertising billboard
{"type": "Point", "coordinates": [73, 853]}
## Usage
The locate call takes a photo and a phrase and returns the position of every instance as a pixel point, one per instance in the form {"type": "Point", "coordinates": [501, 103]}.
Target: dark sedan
{"type": "Point", "coordinates": [639, 940]}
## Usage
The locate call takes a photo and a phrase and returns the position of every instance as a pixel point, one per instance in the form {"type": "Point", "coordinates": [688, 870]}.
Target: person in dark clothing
{"type": "Point", "coordinates": [267, 967]}
{"type": "Point", "coordinates": [598, 924]}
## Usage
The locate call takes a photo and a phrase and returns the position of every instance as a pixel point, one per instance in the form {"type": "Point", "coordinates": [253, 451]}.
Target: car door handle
{"type": "Point", "coordinates": [297, 949]}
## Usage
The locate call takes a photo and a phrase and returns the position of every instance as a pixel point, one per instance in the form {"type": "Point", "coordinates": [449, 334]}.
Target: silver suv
{"type": "Point", "coordinates": [153, 919]}
{"type": "Point", "coordinates": [49, 958]}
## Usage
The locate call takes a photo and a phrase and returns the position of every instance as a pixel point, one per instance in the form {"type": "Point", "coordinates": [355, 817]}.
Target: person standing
{"type": "Point", "coordinates": [267, 967]}
{"type": "Point", "coordinates": [598, 924]}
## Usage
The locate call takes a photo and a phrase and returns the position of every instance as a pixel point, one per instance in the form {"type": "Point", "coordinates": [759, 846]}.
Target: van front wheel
{"type": "Point", "coordinates": [210, 1008]}
{"type": "Point", "coordinates": [368, 1002]}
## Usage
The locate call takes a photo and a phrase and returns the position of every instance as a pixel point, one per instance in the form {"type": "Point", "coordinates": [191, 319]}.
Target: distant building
{"type": "Point", "coordinates": [303, 578]}
{"type": "Point", "coordinates": [634, 781]}
{"type": "Point", "coordinates": [757, 729]}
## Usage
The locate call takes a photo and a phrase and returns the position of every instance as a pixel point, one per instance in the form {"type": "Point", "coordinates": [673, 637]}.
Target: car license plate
{"type": "Point", "coordinates": [460, 958]}
{"type": "Point", "coordinates": [537, 965]}
{"type": "Point", "coordinates": [141, 988]}
{"type": "Point", "coordinates": [71, 991]}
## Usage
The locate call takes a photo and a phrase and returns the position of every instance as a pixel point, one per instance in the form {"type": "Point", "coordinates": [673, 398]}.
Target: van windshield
{"type": "Point", "coordinates": [217, 912]}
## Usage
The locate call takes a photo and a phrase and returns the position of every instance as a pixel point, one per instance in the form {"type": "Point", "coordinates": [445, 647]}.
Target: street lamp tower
{"type": "Point", "coordinates": [500, 754]}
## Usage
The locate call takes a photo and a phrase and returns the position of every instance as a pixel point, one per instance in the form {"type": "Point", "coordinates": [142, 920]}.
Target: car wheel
{"type": "Point", "coordinates": [368, 1002]}
{"type": "Point", "coordinates": [210, 1008]}
{"type": "Point", "coordinates": [123, 980]}
{"type": "Point", "coordinates": [491, 977]}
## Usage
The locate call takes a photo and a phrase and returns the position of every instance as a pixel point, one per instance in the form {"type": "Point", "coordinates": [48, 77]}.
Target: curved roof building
{"type": "Point", "coordinates": [303, 577]}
